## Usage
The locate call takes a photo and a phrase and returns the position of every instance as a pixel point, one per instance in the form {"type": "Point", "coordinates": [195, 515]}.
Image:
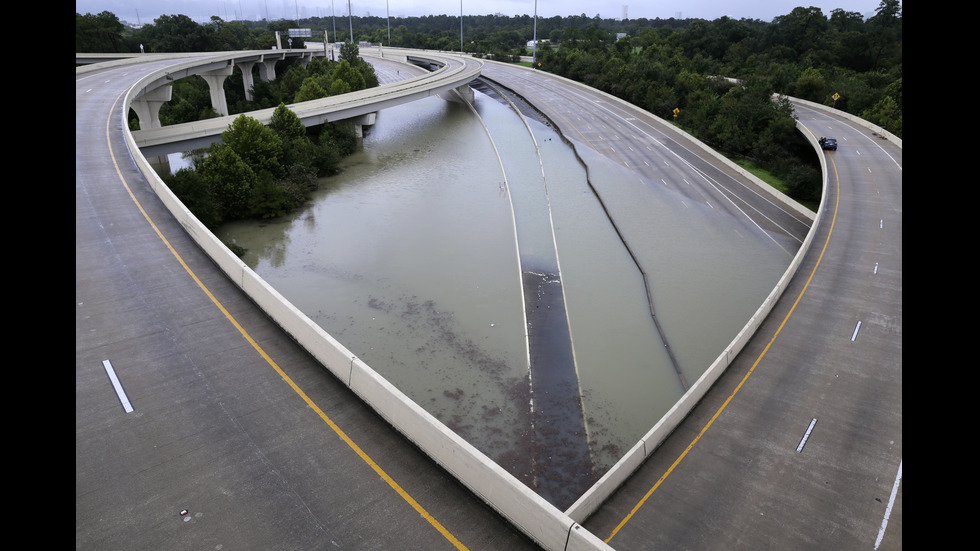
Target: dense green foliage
{"type": "Point", "coordinates": [673, 68]}
{"type": "Point", "coordinates": [104, 33]}
{"type": "Point", "coordinates": [843, 61]}
{"type": "Point", "coordinates": [101, 33]}
{"type": "Point", "coordinates": [260, 171]}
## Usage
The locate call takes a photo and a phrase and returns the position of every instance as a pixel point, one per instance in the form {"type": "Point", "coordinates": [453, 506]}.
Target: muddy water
{"type": "Point", "coordinates": [410, 258]}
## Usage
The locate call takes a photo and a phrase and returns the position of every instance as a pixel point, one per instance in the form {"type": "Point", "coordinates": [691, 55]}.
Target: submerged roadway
{"type": "Point", "coordinates": [799, 444]}
{"type": "Point", "coordinates": [230, 435]}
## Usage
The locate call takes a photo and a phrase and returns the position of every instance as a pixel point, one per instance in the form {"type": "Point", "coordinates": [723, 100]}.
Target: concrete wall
{"type": "Point", "coordinates": [530, 513]}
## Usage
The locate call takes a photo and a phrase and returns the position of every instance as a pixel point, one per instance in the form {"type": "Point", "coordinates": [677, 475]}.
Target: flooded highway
{"type": "Point", "coordinates": [445, 243]}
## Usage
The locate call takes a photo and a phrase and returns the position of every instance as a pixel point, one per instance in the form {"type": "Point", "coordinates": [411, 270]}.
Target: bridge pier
{"type": "Point", "coordinates": [461, 94]}
{"type": "Point", "coordinates": [215, 80]}
{"type": "Point", "coordinates": [360, 122]}
{"type": "Point", "coordinates": [267, 72]}
{"type": "Point", "coordinates": [466, 93]}
{"type": "Point", "coordinates": [305, 59]}
{"type": "Point", "coordinates": [147, 106]}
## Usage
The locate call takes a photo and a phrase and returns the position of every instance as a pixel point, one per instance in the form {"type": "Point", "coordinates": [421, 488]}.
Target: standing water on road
{"type": "Point", "coordinates": [409, 257]}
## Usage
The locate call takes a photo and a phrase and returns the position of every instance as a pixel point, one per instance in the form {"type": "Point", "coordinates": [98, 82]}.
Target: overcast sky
{"type": "Point", "coordinates": [145, 11]}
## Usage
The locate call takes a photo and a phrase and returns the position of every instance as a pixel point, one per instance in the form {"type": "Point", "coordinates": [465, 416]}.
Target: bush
{"type": "Point", "coordinates": [196, 194]}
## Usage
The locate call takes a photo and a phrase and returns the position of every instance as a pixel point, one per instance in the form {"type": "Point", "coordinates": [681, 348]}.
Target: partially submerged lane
{"type": "Point", "coordinates": [563, 467]}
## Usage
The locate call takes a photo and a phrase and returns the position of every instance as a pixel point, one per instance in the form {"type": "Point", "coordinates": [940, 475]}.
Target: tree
{"type": "Point", "coordinates": [231, 180]}
{"type": "Point", "coordinates": [810, 85]}
{"type": "Point", "coordinates": [270, 198]}
{"type": "Point", "coordinates": [99, 33]}
{"type": "Point", "coordinates": [802, 29]}
{"type": "Point", "coordinates": [292, 81]}
{"type": "Point", "coordinates": [366, 76]}
{"type": "Point", "coordinates": [310, 90]}
{"type": "Point", "coordinates": [190, 101]}
{"type": "Point", "coordinates": [298, 150]}
{"type": "Point", "coordinates": [349, 52]}
{"type": "Point", "coordinates": [286, 124]}
{"type": "Point", "coordinates": [885, 31]}
{"type": "Point", "coordinates": [846, 21]}
{"type": "Point", "coordinates": [257, 145]}
{"type": "Point", "coordinates": [229, 35]}
{"type": "Point", "coordinates": [661, 65]}
{"type": "Point", "coordinates": [177, 33]}
{"type": "Point", "coordinates": [348, 75]}
{"type": "Point", "coordinates": [886, 114]}
{"type": "Point", "coordinates": [196, 194]}
{"type": "Point", "coordinates": [338, 87]}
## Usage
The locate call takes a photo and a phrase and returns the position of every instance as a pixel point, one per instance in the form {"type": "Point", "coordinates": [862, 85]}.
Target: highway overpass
{"type": "Point", "coordinates": [448, 76]}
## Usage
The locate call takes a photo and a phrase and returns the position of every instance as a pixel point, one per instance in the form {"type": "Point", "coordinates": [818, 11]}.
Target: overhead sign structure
{"type": "Point", "coordinates": [300, 33]}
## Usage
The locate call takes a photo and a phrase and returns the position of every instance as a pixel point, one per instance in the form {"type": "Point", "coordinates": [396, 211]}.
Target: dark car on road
{"type": "Point", "coordinates": [829, 143]}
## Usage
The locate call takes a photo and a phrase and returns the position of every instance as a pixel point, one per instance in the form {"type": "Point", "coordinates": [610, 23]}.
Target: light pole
{"type": "Point", "coordinates": [350, 19]}
{"type": "Point", "coordinates": [460, 26]}
{"type": "Point", "coordinates": [534, 45]}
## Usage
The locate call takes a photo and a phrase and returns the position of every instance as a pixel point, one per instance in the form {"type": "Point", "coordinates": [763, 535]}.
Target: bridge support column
{"type": "Point", "coordinates": [215, 80]}
{"type": "Point", "coordinates": [267, 73]}
{"type": "Point", "coordinates": [305, 59]}
{"type": "Point", "coordinates": [147, 106]}
{"type": "Point", "coordinates": [267, 70]}
{"type": "Point", "coordinates": [461, 94]}
{"type": "Point", "coordinates": [246, 68]}
{"type": "Point", "coordinates": [360, 122]}
{"type": "Point", "coordinates": [467, 93]}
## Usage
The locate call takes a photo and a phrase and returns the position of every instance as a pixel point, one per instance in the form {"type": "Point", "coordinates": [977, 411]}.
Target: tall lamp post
{"type": "Point", "coordinates": [534, 45]}
{"type": "Point", "coordinates": [350, 19]}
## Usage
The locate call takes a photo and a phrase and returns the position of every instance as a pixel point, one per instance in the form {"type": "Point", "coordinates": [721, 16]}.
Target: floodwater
{"type": "Point", "coordinates": [416, 256]}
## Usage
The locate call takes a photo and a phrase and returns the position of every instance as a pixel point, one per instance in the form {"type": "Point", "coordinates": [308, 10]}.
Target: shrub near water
{"type": "Point", "coordinates": [258, 171]}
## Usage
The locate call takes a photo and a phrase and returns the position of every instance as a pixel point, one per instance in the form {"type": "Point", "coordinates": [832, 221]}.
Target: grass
{"type": "Point", "coordinates": [773, 180]}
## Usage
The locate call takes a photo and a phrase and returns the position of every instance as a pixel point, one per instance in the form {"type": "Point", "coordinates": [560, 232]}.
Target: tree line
{"type": "Point", "coordinates": [715, 79]}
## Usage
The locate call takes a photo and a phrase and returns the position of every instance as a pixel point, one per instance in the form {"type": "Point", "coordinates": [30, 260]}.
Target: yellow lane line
{"type": "Point", "coordinates": [690, 446]}
{"type": "Point", "coordinates": [364, 456]}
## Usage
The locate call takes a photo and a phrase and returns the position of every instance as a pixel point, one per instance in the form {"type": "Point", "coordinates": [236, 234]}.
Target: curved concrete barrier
{"type": "Point", "coordinates": [535, 517]}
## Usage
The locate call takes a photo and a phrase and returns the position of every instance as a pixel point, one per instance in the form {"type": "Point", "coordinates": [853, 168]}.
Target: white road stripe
{"type": "Point", "coordinates": [117, 386]}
